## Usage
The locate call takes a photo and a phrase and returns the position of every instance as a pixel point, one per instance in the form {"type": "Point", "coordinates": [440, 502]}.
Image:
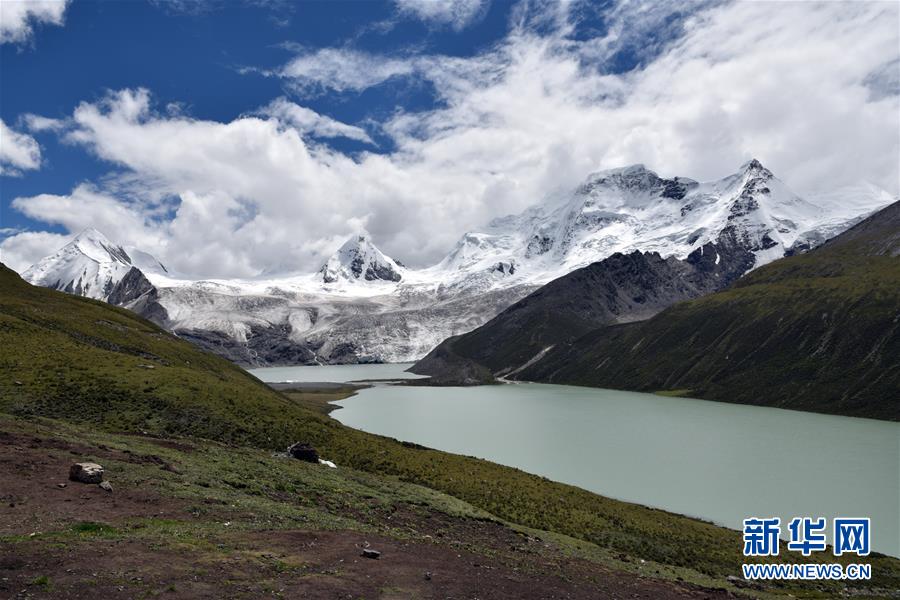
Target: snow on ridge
{"type": "Point", "coordinates": [89, 265]}
{"type": "Point", "coordinates": [613, 210]}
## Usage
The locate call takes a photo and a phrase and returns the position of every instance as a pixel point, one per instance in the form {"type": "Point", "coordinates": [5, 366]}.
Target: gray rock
{"type": "Point", "coordinates": [107, 486]}
{"type": "Point", "coordinates": [86, 472]}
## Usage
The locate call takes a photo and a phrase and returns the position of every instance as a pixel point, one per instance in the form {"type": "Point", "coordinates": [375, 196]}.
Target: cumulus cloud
{"type": "Point", "coordinates": [456, 14]}
{"type": "Point", "coordinates": [18, 152]}
{"type": "Point", "coordinates": [18, 17]}
{"type": "Point", "coordinates": [789, 83]}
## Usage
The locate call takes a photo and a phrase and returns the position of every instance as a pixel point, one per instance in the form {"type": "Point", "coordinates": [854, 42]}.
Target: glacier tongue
{"type": "Point", "coordinates": [365, 306]}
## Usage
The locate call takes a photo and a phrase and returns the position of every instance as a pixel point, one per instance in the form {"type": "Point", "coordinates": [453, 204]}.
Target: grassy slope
{"type": "Point", "coordinates": [817, 332]}
{"type": "Point", "coordinates": [83, 361]}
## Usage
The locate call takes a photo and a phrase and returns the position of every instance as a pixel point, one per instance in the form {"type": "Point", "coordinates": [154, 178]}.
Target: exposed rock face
{"type": "Point", "coordinates": [86, 472]}
{"type": "Point", "coordinates": [131, 287]}
{"type": "Point", "coordinates": [304, 451]}
{"type": "Point", "coordinates": [262, 346]}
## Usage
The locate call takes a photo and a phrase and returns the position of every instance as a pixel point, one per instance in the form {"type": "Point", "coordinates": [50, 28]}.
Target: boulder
{"type": "Point", "coordinates": [86, 472]}
{"type": "Point", "coordinates": [369, 553]}
{"type": "Point", "coordinates": [303, 451]}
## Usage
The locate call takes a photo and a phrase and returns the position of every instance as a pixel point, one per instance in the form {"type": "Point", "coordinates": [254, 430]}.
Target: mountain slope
{"type": "Point", "coordinates": [633, 208]}
{"type": "Point", "coordinates": [618, 289]}
{"type": "Point", "coordinates": [817, 332]}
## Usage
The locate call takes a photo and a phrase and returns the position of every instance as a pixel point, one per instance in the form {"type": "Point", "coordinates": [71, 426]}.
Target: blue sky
{"type": "Point", "coordinates": [193, 54]}
{"type": "Point", "coordinates": [231, 138]}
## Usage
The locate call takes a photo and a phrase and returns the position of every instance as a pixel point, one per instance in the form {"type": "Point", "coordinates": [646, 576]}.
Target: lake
{"type": "Point", "coordinates": [716, 461]}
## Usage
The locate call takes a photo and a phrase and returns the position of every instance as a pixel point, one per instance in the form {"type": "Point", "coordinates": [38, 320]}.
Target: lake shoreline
{"type": "Point", "coordinates": [703, 459]}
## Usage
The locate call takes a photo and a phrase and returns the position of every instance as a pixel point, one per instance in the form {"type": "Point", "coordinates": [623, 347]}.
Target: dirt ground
{"type": "Point", "coordinates": [274, 563]}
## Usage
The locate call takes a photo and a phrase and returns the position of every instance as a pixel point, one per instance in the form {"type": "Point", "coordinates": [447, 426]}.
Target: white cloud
{"type": "Point", "coordinates": [788, 83]}
{"type": "Point", "coordinates": [22, 250]}
{"type": "Point", "coordinates": [456, 14]}
{"type": "Point", "coordinates": [18, 152]}
{"type": "Point", "coordinates": [37, 123]}
{"type": "Point", "coordinates": [342, 70]}
{"type": "Point", "coordinates": [18, 17]}
{"type": "Point", "coordinates": [307, 121]}
{"type": "Point", "coordinates": [88, 207]}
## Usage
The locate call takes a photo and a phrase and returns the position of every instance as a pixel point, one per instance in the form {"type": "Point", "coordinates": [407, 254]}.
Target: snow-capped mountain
{"type": "Point", "coordinates": [365, 306]}
{"type": "Point", "coordinates": [359, 259]}
{"type": "Point", "coordinates": [633, 208]}
{"type": "Point", "coordinates": [92, 266]}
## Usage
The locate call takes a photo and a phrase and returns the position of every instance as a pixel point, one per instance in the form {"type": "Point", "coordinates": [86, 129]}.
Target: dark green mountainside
{"type": "Point", "coordinates": [817, 332]}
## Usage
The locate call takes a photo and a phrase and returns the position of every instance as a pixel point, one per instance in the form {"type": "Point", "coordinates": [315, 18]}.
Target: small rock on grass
{"type": "Point", "coordinates": [369, 553]}
{"type": "Point", "coordinates": [86, 472]}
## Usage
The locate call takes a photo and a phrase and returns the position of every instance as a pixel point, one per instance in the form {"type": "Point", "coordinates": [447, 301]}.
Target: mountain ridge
{"type": "Point", "coordinates": [364, 306]}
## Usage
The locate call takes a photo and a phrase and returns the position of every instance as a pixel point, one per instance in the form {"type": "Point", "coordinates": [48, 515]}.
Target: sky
{"type": "Point", "coordinates": [233, 138]}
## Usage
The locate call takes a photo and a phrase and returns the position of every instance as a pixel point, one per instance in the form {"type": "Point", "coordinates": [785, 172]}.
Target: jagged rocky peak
{"type": "Point", "coordinates": [359, 259]}
{"type": "Point", "coordinates": [754, 167]}
{"type": "Point", "coordinates": [636, 178]}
